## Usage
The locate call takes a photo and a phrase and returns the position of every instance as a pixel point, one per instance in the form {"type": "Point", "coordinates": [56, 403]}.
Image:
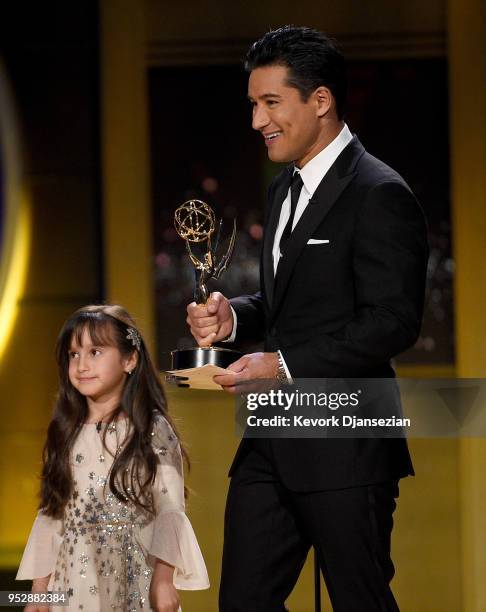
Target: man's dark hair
{"type": "Point", "coordinates": [313, 60]}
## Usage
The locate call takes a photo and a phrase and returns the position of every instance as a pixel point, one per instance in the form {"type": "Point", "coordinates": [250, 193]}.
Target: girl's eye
{"type": "Point", "coordinates": [95, 352]}
{"type": "Point", "coordinates": [72, 354]}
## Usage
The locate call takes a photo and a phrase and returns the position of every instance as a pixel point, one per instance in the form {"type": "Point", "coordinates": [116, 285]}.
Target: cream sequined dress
{"type": "Point", "coordinates": [103, 550]}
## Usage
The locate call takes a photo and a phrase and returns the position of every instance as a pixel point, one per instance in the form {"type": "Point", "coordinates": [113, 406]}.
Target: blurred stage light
{"type": "Point", "coordinates": [15, 265]}
{"type": "Point", "coordinates": [16, 216]}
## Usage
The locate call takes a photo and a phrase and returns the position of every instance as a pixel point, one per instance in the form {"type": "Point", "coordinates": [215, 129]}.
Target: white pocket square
{"type": "Point", "coordinates": [316, 241]}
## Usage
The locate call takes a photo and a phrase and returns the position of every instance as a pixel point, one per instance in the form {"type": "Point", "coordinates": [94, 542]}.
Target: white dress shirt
{"type": "Point", "coordinates": [312, 174]}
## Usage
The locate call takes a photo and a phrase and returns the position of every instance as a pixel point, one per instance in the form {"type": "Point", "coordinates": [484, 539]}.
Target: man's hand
{"type": "Point", "coordinates": [210, 322]}
{"type": "Point", "coordinates": [249, 367]}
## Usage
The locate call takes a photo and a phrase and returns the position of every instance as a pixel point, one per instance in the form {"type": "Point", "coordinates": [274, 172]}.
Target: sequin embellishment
{"type": "Point", "coordinates": [101, 553]}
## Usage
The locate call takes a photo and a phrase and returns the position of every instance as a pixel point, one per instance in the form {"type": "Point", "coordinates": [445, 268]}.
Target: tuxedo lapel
{"type": "Point", "coordinates": [270, 229]}
{"type": "Point", "coordinates": [325, 196]}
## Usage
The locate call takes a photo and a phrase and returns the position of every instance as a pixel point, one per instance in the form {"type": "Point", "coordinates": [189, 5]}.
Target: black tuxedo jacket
{"type": "Point", "coordinates": [342, 308]}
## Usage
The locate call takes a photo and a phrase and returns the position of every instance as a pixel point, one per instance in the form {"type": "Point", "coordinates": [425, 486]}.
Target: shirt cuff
{"type": "Point", "coordinates": [287, 372]}
{"type": "Point", "coordinates": [232, 336]}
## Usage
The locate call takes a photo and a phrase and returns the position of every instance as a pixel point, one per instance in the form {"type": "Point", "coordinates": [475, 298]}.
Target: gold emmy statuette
{"type": "Point", "coordinates": [195, 223]}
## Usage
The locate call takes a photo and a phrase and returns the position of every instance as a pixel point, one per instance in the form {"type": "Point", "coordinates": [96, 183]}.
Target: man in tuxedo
{"type": "Point", "coordinates": [342, 286]}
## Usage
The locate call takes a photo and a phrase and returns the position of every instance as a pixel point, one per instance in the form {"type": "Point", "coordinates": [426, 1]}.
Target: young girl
{"type": "Point", "coordinates": [111, 530]}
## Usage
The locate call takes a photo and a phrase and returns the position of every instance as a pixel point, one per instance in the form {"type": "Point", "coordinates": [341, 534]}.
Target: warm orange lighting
{"type": "Point", "coordinates": [17, 225]}
{"type": "Point", "coordinates": [14, 272]}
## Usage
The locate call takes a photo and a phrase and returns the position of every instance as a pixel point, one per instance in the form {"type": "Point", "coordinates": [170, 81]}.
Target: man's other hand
{"type": "Point", "coordinates": [210, 322]}
{"type": "Point", "coordinates": [249, 367]}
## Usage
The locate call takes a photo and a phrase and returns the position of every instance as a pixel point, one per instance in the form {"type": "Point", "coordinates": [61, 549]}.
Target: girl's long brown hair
{"type": "Point", "coordinates": [134, 468]}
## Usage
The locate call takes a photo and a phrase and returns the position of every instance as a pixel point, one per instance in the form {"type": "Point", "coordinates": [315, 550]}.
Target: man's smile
{"type": "Point", "coordinates": [271, 136]}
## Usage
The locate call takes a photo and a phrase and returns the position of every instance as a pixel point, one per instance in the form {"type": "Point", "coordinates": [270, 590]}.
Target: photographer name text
{"type": "Point", "coordinates": [352, 422]}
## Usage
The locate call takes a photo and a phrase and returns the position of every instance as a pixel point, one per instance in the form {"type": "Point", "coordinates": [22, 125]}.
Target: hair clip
{"type": "Point", "coordinates": [134, 336]}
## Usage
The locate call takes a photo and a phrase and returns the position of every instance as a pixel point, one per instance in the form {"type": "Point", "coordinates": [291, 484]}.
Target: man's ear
{"type": "Point", "coordinates": [324, 100]}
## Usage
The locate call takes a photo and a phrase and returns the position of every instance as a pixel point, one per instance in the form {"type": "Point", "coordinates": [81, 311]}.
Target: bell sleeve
{"type": "Point", "coordinates": [42, 548]}
{"type": "Point", "coordinates": [173, 539]}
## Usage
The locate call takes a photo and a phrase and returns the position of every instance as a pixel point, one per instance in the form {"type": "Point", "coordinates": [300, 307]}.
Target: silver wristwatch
{"type": "Point", "coordinates": [281, 373]}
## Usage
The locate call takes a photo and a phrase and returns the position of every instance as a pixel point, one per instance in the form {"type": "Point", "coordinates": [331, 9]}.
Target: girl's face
{"type": "Point", "coordinates": [98, 372]}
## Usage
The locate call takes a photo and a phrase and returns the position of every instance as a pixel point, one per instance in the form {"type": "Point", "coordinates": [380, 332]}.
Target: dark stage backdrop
{"type": "Point", "coordinates": [202, 146]}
